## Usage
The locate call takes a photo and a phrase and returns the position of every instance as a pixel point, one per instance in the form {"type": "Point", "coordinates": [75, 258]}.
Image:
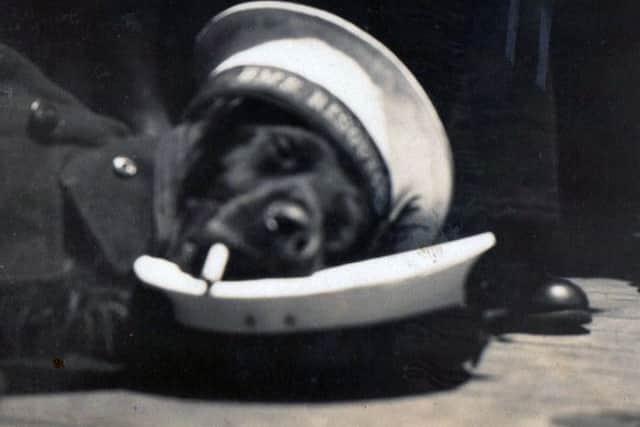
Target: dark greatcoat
{"type": "Point", "coordinates": [70, 220]}
{"type": "Point", "coordinates": [51, 177]}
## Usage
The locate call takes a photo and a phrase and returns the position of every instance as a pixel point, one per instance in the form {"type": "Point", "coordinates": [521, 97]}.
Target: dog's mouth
{"type": "Point", "coordinates": [192, 253]}
{"type": "Point", "coordinates": [193, 250]}
{"type": "Point", "coordinates": [194, 257]}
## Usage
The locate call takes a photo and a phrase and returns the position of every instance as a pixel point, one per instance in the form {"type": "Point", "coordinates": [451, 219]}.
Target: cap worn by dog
{"type": "Point", "coordinates": [341, 81]}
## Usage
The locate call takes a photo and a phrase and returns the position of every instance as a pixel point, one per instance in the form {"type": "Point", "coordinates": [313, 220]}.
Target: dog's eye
{"type": "Point", "coordinates": [284, 153]}
{"type": "Point", "coordinates": [283, 147]}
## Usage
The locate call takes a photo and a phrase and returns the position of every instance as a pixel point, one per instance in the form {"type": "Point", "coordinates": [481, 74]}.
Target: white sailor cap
{"type": "Point", "coordinates": [345, 84]}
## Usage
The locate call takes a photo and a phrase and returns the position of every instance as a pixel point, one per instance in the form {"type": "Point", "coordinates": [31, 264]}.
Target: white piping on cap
{"type": "Point", "coordinates": [327, 67]}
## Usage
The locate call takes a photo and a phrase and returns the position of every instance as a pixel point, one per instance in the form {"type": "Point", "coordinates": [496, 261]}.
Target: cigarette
{"type": "Point", "coordinates": [216, 262]}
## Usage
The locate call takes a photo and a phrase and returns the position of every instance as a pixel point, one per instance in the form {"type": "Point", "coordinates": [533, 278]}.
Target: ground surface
{"type": "Point", "coordinates": [591, 379]}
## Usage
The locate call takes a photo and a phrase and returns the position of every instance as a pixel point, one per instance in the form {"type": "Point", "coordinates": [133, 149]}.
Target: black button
{"type": "Point", "coordinates": [43, 119]}
{"type": "Point", "coordinates": [290, 320]}
{"type": "Point", "coordinates": [249, 321]}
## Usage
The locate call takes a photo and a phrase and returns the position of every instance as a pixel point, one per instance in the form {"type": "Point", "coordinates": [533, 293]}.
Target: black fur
{"type": "Point", "coordinates": [281, 176]}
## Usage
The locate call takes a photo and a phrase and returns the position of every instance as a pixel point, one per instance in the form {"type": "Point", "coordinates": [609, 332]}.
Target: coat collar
{"type": "Point", "coordinates": [114, 206]}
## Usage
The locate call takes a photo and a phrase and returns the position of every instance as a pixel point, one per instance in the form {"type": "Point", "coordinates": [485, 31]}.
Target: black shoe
{"type": "Point", "coordinates": [559, 306]}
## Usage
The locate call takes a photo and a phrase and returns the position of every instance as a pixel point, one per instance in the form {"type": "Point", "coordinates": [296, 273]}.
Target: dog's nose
{"type": "Point", "coordinates": [296, 235]}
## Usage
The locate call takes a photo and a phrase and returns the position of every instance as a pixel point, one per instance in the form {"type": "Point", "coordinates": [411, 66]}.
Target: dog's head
{"type": "Point", "coordinates": [279, 196]}
{"type": "Point", "coordinates": [349, 136]}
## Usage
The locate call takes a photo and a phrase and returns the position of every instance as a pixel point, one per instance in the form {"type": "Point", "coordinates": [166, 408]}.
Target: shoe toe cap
{"type": "Point", "coordinates": [559, 295]}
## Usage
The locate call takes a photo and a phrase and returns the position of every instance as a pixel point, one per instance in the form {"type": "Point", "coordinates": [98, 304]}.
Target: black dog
{"type": "Point", "coordinates": [278, 196]}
